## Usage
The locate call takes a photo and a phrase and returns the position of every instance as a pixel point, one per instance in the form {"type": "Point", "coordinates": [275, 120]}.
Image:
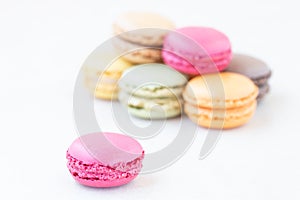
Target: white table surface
{"type": "Point", "coordinates": [42, 47]}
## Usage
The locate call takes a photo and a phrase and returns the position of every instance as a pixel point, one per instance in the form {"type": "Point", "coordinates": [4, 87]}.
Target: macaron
{"type": "Point", "coordinates": [104, 77]}
{"type": "Point", "coordinates": [220, 101]}
{"type": "Point", "coordinates": [257, 70]}
{"type": "Point", "coordinates": [144, 32]}
{"type": "Point", "coordinates": [197, 50]}
{"type": "Point", "coordinates": [104, 159]}
{"type": "Point", "coordinates": [152, 91]}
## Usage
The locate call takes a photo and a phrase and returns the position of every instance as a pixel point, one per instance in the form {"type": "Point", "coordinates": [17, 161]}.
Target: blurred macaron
{"type": "Point", "coordinates": [255, 69]}
{"type": "Point", "coordinates": [152, 91]}
{"type": "Point", "coordinates": [197, 50]}
{"type": "Point", "coordinates": [142, 32]}
{"type": "Point", "coordinates": [221, 100]}
{"type": "Point", "coordinates": [102, 70]}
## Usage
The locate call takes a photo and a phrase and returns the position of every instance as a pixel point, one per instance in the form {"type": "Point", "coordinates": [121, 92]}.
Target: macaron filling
{"type": "Point", "coordinates": [147, 104]}
{"type": "Point", "coordinates": [155, 91]}
{"type": "Point", "coordinates": [98, 171]}
{"type": "Point", "coordinates": [201, 64]}
{"type": "Point", "coordinates": [158, 107]}
{"type": "Point", "coordinates": [217, 104]}
{"type": "Point", "coordinates": [262, 80]}
{"type": "Point", "coordinates": [153, 100]}
{"type": "Point", "coordinates": [221, 114]}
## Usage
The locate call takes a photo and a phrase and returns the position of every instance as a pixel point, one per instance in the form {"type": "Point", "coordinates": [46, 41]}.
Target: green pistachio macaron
{"type": "Point", "coordinates": [152, 91]}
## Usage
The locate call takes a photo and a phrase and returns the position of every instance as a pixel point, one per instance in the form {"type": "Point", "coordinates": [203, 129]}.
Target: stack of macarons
{"type": "Point", "coordinates": [167, 57]}
{"type": "Point", "coordinates": [215, 98]}
{"type": "Point", "coordinates": [164, 70]}
{"type": "Point", "coordinates": [142, 32]}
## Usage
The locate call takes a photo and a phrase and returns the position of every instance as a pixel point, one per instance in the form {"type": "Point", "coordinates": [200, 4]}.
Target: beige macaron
{"type": "Point", "coordinates": [142, 35]}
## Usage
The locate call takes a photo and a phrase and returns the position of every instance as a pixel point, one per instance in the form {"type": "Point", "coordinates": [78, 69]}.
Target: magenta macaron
{"type": "Point", "coordinates": [197, 50]}
{"type": "Point", "coordinates": [104, 159]}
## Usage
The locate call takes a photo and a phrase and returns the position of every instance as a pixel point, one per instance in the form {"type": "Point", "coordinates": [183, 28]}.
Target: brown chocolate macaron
{"type": "Point", "coordinates": [255, 69]}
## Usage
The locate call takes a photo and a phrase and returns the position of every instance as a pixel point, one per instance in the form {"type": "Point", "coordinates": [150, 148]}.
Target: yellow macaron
{"type": "Point", "coordinates": [104, 77]}
{"type": "Point", "coordinates": [220, 101]}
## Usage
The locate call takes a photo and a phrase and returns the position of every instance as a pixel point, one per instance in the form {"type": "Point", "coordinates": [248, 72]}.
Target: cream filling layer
{"type": "Point", "coordinates": [219, 103]}
{"type": "Point", "coordinates": [220, 114]}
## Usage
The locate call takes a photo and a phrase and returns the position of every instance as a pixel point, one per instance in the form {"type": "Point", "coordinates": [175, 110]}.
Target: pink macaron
{"type": "Point", "coordinates": [197, 50]}
{"type": "Point", "coordinates": [104, 159]}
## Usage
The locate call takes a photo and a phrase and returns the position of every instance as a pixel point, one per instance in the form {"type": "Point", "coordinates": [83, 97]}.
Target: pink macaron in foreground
{"type": "Point", "coordinates": [104, 159]}
{"type": "Point", "coordinates": [197, 50]}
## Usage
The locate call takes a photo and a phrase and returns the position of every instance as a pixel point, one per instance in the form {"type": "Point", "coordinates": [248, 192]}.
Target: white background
{"type": "Point", "coordinates": [42, 47]}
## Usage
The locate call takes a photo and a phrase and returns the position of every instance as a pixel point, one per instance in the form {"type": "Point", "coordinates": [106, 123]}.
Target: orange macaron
{"type": "Point", "coordinates": [220, 101]}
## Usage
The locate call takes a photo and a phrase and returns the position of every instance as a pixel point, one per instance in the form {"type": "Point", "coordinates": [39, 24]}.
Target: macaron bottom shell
{"type": "Point", "coordinates": [221, 119]}
{"type": "Point", "coordinates": [106, 95]}
{"type": "Point", "coordinates": [152, 114]}
{"type": "Point", "coordinates": [104, 184]}
{"type": "Point", "coordinates": [263, 90]}
{"type": "Point", "coordinates": [147, 108]}
{"type": "Point", "coordinates": [105, 91]}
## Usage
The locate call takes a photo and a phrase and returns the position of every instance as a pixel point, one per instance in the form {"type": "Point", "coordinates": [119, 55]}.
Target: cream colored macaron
{"type": "Point", "coordinates": [141, 34]}
{"type": "Point", "coordinates": [152, 27]}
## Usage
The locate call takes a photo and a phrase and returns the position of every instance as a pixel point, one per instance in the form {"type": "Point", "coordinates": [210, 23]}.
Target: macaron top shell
{"type": "Point", "coordinates": [145, 28]}
{"type": "Point", "coordinates": [106, 59]}
{"type": "Point", "coordinates": [112, 72]}
{"type": "Point", "coordinates": [151, 74]}
{"type": "Point", "coordinates": [223, 90]}
{"type": "Point", "coordinates": [197, 41]}
{"type": "Point", "coordinates": [249, 66]}
{"type": "Point", "coordinates": [109, 149]}
{"type": "Point", "coordinates": [118, 65]}
{"type": "Point", "coordinates": [135, 20]}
